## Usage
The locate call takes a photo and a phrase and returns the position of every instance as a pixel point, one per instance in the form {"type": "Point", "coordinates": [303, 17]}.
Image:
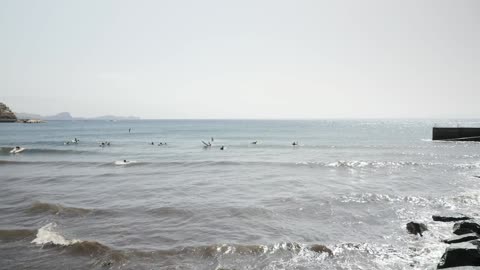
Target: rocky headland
{"type": "Point", "coordinates": [6, 115]}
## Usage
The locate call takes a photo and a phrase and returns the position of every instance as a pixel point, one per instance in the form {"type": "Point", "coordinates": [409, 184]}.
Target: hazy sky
{"type": "Point", "coordinates": [242, 59]}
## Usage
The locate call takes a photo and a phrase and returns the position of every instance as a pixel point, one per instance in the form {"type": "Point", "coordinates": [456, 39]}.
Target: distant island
{"type": "Point", "coordinates": [8, 116]}
{"type": "Point", "coordinates": [67, 116]}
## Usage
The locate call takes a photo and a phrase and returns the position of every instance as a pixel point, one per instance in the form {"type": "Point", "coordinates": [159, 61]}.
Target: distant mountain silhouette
{"type": "Point", "coordinates": [67, 116]}
{"type": "Point", "coordinates": [113, 117]}
{"type": "Point", "coordinates": [60, 116]}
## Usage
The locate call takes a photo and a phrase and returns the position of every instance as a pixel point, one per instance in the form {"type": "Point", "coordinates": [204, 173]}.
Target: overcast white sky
{"type": "Point", "coordinates": [242, 59]}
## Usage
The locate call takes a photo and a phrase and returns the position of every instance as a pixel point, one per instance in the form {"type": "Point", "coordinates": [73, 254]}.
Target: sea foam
{"type": "Point", "coordinates": [48, 235]}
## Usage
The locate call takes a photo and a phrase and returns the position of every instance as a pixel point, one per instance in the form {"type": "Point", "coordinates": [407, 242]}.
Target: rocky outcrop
{"type": "Point", "coordinates": [461, 238]}
{"type": "Point", "coordinates": [6, 115]}
{"type": "Point", "coordinates": [321, 249]}
{"type": "Point", "coordinates": [450, 218]}
{"type": "Point", "coordinates": [466, 227]}
{"type": "Point", "coordinates": [465, 246]}
{"type": "Point", "coordinates": [462, 254]}
{"type": "Point", "coordinates": [416, 228]}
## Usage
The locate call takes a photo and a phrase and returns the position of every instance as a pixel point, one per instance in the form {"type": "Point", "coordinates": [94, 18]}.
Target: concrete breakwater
{"type": "Point", "coordinates": [456, 134]}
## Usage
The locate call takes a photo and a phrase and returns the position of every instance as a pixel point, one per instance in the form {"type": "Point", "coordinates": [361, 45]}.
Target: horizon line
{"type": "Point", "coordinates": [92, 118]}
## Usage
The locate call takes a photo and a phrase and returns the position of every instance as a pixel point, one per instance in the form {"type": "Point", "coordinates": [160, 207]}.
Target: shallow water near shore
{"type": "Point", "coordinates": [350, 185]}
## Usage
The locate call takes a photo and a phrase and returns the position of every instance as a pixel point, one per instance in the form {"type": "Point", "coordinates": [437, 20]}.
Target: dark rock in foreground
{"type": "Point", "coordinates": [416, 228]}
{"type": "Point", "coordinates": [466, 227]}
{"type": "Point", "coordinates": [321, 249]}
{"type": "Point", "coordinates": [450, 218]}
{"type": "Point", "coordinates": [462, 254]}
{"type": "Point", "coordinates": [462, 238]}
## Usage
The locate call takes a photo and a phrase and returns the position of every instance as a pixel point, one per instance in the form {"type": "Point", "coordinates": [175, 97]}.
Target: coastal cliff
{"type": "Point", "coordinates": [6, 115]}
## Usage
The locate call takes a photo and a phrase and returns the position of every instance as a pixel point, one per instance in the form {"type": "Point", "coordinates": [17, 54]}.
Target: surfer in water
{"type": "Point", "coordinates": [153, 143]}
{"type": "Point", "coordinates": [129, 130]}
{"type": "Point", "coordinates": [16, 149]}
{"type": "Point", "coordinates": [295, 143]}
{"type": "Point", "coordinates": [221, 148]}
{"type": "Point", "coordinates": [255, 142]}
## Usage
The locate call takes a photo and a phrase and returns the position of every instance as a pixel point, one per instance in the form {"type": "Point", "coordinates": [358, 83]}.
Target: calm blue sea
{"type": "Point", "coordinates": [350, 185]}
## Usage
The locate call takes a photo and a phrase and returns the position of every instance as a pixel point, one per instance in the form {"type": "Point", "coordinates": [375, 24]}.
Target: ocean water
{"type": "Point", "coordinates": [350, 185]}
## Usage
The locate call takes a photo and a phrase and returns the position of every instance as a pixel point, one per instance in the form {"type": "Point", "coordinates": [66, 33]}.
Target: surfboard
{"type": "Point", "coordinates": [121, 162]}
{"type": "Point", "coordinates": [15, 151]}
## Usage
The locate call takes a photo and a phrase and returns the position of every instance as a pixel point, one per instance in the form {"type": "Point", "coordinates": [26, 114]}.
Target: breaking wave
{"type": "Point", "coordinates": [52, 151]}
{"type": "Point", "coordinates": [385, 256]}
{"type": "Point", "coordinates": [419, 201]}
{"type": "Point", "coordinates": [468, 166]}
{"type": "Point", "coordinates": [375, 164]}
{"type": "Point", "coordinates": [375, 197]}
{"type": "Point", "coordinates": [49, 237]}
{"type": "Point", "coordinates": [353, 164]}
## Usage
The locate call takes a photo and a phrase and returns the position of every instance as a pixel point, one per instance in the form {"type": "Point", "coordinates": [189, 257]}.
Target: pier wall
{"type": "Point", "coordinates": [456, 133]}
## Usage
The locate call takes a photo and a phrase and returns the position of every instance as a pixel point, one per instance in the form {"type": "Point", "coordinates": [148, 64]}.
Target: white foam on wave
{"type": "Point", "coordinates": [48, 235]}
{"type": "Point", "coordinates": [367, 197]}
{"type": "Point", "coordinates": [372, 164]}
{"type": "Point", "coordinates": [376, 197]}
{"type": "Point", "coordinates": [449, 203]}
{"type": "Point", "coordinates": [407, 252]}
{"type": "Point", "coordinates": [412, 254]}
{"type": "Point", "coordinates": [359, 164]}
{"type": "Point", "coordinates": [302, 257]}
{"type": "Point", "coordinates": [226, 249]}
{"type": "Point", "coordinates": [121, 162]}
{"type": "Point", "coordinates": [469, 199]}
{"type": "Point", "coordinates": [468, 165]}
{"type": "Point", "coordinates": [350, 164]}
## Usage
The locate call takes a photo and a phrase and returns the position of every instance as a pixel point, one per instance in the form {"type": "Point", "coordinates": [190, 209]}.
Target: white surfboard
{"type": "Point", "coordinates": [15, 150]}
{"type": "Point", "coordinates": [122, 162]}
